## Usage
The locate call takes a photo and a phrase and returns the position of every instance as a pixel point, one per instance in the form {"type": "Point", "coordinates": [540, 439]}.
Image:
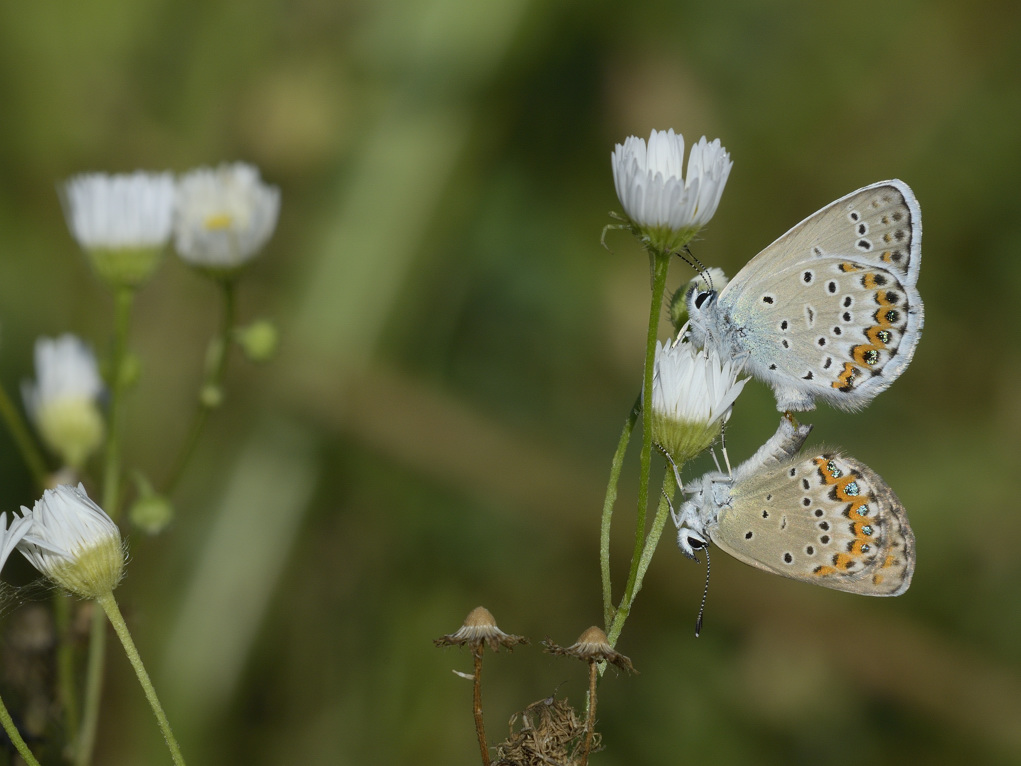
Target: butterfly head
{"type": "Point", "coordinates": [690, 541]}
{"type": "Point", "coordinates": [691, 536]}
{"type": "Point", "coordinates": [701, 305]}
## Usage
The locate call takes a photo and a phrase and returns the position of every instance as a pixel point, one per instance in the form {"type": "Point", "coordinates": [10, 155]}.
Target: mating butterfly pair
{"type": "Point", "coordinates": [829, 311]}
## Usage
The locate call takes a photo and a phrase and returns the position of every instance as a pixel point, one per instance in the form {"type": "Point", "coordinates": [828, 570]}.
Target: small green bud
{"type": "Point", "coordinates": [131, 369]}
{"type": "Point", "coordinates": [259, 340]}
{"type": "Point", "coordinates": [151, 513]}
{"type": "Point", "coordinates": [679, 308]}
{"type": "Point", "coordinates": [211, 396]}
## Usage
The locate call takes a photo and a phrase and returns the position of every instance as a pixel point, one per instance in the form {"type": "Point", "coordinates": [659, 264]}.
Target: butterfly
{"type": "Point", "coordinates": [822, 518]}
{"type": "Point", "coordinates": [831, 309]}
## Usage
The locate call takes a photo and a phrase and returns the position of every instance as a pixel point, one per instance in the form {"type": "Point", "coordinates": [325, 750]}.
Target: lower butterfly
{"type": "Point", "coordinates": [822, 518]}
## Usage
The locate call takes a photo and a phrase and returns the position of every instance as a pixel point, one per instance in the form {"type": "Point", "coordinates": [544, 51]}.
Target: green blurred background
{"type": "Point", "coordinates": [459, 354]}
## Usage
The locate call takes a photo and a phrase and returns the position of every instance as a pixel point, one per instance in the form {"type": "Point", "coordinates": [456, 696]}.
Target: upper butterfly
{"type": "Point", "coordinates": [830, 310]}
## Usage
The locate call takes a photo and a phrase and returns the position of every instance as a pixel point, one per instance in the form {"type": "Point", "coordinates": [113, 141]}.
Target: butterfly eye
{"type": "Point", "coordinates": [696, 543]}
{"type": "Point", "coordinates": [701, 298]}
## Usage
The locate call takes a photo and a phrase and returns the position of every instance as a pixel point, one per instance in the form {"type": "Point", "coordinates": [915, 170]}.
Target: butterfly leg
{"type": "Point", "coordinates": [723, 449]}
{"type": "Point", "coordinates": [677, 475]}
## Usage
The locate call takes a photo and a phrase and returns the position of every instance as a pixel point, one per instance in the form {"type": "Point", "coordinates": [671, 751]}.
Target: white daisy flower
{"type": "Point", "coordinates": [63, 402]}
{"type": "Point", "coordinates": [665, 207]}
{"type": "Point", "coordinates": [224, 216]}
{"type": "Point", "coordinates": [73, 542]}
{"type": "Point", "coordinates": [693, 392]}
{"type": "Point", "coordinates": [12, 535]}
{"type": "Point", "coordinates": [123, 222]}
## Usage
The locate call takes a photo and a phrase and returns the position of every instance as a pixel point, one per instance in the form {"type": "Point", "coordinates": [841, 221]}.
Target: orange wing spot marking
{"type": "Point", "coordinates": [869, 282]}
{"type": "Point", "coordinates": [878, 336]}
{"type": "Point", "coordinates": [890, 561]}
{"type": "Point", "coordinates": [846, 267]}
{"type": "Point", "coordinates": [882, 296]}
{"type": "Point", "coordinates": [877, 579]}
{"type": "Point", "coordinates": [823, 571]}
{"type": "Point", "coordinates": [866, 355]}
{"type": "Point", "coordinates": [848, 489]}
{"type": "Point", "coordinates": [843, 561]}
{"type": "Point", "coordinates": [845, 380]}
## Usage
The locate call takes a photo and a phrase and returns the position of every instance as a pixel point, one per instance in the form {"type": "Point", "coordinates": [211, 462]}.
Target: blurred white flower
{"type": "Point", "coordinates": [693, 392]}
{"type": "Point", "coordinates": [121, 221]}
{"type": "Point", "coordinates": [64, 400]}
{"type": "Point", "coordinates": [665, 207]}
{"type": "Point", "coordinates": [73, 542]}
{"type": "Point", "coordinates": [224, 216]}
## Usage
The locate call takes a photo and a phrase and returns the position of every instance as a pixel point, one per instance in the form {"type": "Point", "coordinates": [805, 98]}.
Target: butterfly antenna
{"type": "Point", "coordinates": [700, 268]}
{"type": "Point", "coordinates": [705, 594]}
{"type": "Point", "coordinates": [684, 258]}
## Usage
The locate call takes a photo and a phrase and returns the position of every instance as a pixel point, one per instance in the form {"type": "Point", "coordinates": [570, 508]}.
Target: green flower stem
{"type": "Point", "coordinates": [120, 627]}
{"type": "Point", "coordinates": [608, 503]}
{"type": "Point", "coordinates": [124, 299]}
{"type": "Point", "coordinates": [93, 690]}
{"type": "Point", "coordinates": [15, 736]}
{"type": "Point", "coordinates": [659, 264]}
{"type": "Point", "coordinates": [23, 439]}
{"type": "Point", "coordinates": [67, 692]}
{"type": "Point", "coordinates": [649, 547]}
{"type": "Point", "coordinates": [216, 365]}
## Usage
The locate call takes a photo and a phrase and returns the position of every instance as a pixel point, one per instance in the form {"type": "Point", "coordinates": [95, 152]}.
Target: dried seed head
{"type": "Point", "coordinates": [547, 731]}
{"type": "Point", "coordinates": [593, 646]}
{"type": "Point", "coordinates": [480, 628]}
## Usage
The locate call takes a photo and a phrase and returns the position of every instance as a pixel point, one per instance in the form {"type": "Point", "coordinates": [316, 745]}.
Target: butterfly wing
{"type": "Point", "coordinates": [825, 519]}
{"type": "Point", "coordinates": [831, 309]}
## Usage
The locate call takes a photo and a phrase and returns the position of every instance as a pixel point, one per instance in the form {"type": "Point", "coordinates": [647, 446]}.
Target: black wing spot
{"type": "Point", "coordinates": [831, 286]}
{"type": "Point", "coordinates": [848, 300]}
{"type": "Point", "coordinates": [808, 276]}
{"type": "Point", "coordinates": [767, 299]}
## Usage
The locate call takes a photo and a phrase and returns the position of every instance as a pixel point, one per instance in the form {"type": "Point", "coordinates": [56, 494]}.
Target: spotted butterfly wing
{"type": "Point", "coordinates": [831, 309]}
{"type": "Point", "coordinates": [823, 518]}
